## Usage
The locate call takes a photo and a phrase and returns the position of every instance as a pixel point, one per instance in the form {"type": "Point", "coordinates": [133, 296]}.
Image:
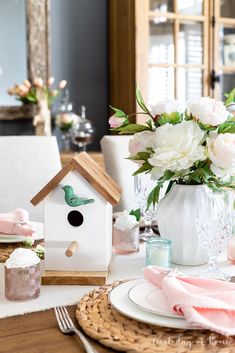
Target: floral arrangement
{"type": "Point", "coordinates": [65, 121]}
{"type": "Point", "coordinates": [186, 144]}
{"type": "Point", "coordinates": [30, 93]}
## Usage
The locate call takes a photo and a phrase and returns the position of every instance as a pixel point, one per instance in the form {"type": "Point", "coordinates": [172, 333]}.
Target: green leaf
{"type": "Point", "coordinates": [171, 182]}
{"type": "Point", "coordinates": [230, 97]}
{"type": "Point", "coordinates": [206, 127]}
{"type": "Point", "coordinates": [131, 129]}
{"type": "Point", "coordinates": [173, 118]}
{"type": "Point", "coordinates": [144, 168]}
{"type": "Point", "coordinates": [136, 213]}
{"type": "Point", "coordinates": [140, 101]}
{"type": "Point", "coordinates": [228, 126]}
{"type": "Point", "coordinates": [119, 113]}
{"type": "Point", "coordinates": [154, 195]}
{"type": "Point", "coordinates": [167, 176]}
{"type": "Point", "coordinates": [140, 156]}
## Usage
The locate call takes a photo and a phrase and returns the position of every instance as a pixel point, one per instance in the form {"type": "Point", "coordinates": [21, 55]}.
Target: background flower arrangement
{"type": "Point", "coordinates": [42, 95]}
{"type": "Point", "coordinates": [192, 144]}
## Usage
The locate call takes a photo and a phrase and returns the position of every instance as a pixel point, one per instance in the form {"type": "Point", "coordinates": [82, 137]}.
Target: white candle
{"type": "Point", "coordinates": [159, 256]}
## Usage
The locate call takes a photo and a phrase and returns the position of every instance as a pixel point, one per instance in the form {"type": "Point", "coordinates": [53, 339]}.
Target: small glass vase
{"type": "Point", "coordinates": [66, 138]}
{"type": "Point", "coordinates": [22, 283]}
{"type": "Point", "coordinates": [125, 241]}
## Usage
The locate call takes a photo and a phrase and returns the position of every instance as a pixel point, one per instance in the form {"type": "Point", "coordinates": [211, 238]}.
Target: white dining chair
{"type": "Point", "coordinates": [27, 163]}
{"type": "Point", "coordinates": [115, 151]}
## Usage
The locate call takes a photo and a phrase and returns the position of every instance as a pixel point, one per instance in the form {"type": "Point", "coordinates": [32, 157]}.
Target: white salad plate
{"type": "Point", "coordinates": [119, 299]}
{"type": "Point", "coordinates": [152, 299]}
{"type": "Point", "coordinates": [37, 235]}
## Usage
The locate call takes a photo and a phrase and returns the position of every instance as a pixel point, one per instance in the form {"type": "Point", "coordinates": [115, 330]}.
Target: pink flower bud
{"type": "Point", "coordinates": [62, 84]}
{"type": "Point", "coordinates": [27, 83]}
{"type": "Point", "coordinates": [38, 82]}
{"type": "Point", "coordinates": [54, 92]}
{"type": "Point", "coordinates": [115, 122]}
{"type": "Point", "coordinates": [50, 81]}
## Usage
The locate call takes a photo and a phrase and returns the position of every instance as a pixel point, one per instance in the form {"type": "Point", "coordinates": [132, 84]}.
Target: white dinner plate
{"type": "Point", "coordinates": [38, 234]}
{"type": "Point", "coordinates": [152, 299]}
{"type": "Point", "coordinates": [119, 299]}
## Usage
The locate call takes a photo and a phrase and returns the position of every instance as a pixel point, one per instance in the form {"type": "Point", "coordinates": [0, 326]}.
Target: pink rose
{"type": "Point", "coordinates": [115, 122]}
{"type": "Point", "coordinates": [140, 142]}
{"type": "Point", "coordinates": [62, 84]}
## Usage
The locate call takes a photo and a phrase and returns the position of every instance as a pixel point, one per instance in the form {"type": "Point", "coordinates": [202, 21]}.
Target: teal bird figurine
{"type": "Point", "coordinates": [72, 199]}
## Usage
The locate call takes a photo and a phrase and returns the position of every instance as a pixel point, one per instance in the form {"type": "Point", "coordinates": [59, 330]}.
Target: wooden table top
{"type": "Point", "coordinates": [39, 333]}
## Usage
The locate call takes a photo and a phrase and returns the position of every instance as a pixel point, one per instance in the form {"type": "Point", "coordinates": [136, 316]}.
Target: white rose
{"type": "Point", "coordinates": [167, 106]}
{"type": "Point", "coordinates": [178, 147]}
{"type": "Point", "coordinates": [208, 111]}
{"type": "Point", "coordinates": [140, 142]}
{"type": "Point", "coordinates": [221, 151]}
{"type": "Point", "coordinates": [125, 222]}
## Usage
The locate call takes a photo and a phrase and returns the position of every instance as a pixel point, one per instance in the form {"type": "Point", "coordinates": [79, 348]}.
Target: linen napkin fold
{"type": "Point", "coordinates": [204, 302]}
{"type": "Point", "coordinates": [16, 222]}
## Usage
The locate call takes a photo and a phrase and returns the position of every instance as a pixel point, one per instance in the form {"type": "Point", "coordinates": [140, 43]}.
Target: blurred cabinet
{"type": "Point", "coordinates": [171, 48]}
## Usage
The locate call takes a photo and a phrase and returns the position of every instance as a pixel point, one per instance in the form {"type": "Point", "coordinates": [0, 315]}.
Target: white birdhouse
{"type": "Point", "coordinates": [78, 223]}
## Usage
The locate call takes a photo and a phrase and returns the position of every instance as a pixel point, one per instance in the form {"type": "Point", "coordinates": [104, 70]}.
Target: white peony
{"type": "Point", "coordinates": [140, 142]}
{"type": "Point", "coordinates": [167, 106]}
{"type": "Point", "coordinates": [208, 111]}
{"type": "Point", "coordinates": [177, 148]}
{"type": "Point", "coordinates": [221, 151]}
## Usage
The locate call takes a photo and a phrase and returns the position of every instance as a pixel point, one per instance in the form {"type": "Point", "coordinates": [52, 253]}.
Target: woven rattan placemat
{"type": "Point", "coordinates": [103, 323]}
{"type": "Point", "coordinates": [7, 249]}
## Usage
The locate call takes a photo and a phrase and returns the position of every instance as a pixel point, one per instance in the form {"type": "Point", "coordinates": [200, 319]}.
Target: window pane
{"type": "Point", "coordinates": [161, 43]}
{"type": "Point", "coordinates": [190, 43]}
{"type": "Point", "coordinates": [161, 5]}
{"type": "Point", "coordinates": [227, 46]}
{"type": "Point", "coordinates": [189, 83]}
{"type": "Point", "coordinates": [227, 84]}
{"type": "Point", "coordinates": [190, 7]}
{"type": "Point", "coordinates": [160, 84]}
{"type": "Point", "coordinates": [227, 8]}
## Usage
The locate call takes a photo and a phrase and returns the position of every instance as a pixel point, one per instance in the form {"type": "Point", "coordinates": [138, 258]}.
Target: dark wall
{"type": "Point", "coordinates": [79, 40]}
{"type": "Point", "coordinates": [79, 54]}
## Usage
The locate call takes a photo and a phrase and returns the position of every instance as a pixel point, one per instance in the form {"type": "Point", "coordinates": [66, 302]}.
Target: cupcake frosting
{"type": "Point", "coordinates": [126, 222]}
{"type": "Point", "coordinates": [22, 258]}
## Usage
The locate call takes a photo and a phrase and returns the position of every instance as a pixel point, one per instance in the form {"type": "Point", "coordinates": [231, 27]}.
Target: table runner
{"type": "Point", "coordinates": [121, 267]}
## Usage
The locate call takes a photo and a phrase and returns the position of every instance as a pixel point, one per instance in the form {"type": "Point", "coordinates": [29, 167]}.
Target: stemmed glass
{"type": "Point", "coordinates": [82, 134]}
{"type": "Point", "coordinates": [142, 187]}
{"type": "Point", "coordinates": [214, 211]}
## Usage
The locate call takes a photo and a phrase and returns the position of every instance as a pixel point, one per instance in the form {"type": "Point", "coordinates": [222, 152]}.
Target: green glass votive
{"type": "Point", "coordinates": [158, 252]}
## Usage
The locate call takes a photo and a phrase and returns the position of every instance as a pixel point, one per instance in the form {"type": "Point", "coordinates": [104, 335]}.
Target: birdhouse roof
{"type": "Point", "coordinates": [92, 172]}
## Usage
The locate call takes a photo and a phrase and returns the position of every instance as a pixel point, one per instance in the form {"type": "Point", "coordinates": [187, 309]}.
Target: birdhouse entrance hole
{"type": "Point", "coordinates": [75, 218]}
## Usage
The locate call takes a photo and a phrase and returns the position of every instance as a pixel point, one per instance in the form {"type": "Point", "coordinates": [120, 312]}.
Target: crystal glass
{"type": "Point", "coordinates": [143, 185]}
{"type": "Point", "coordinates": [158, 252]}
{"type": "Point", "coordinates": [83, 132]}
{"type": "Point", "coordinates": [65, 119]}
{"type": "Point", "coordinates": [22, 283]}
{"type": "Point", "coordinates": [125, 241]}
{"type": "Point", "coordinates": [214, 222]}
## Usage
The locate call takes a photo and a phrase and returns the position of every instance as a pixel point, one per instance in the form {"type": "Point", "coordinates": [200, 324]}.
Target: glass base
{"type": "Point", "coordinates": [215, 274]}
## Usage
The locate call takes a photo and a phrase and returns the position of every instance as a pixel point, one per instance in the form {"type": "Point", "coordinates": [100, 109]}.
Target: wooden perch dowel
{"type": "Point", "coordinates": [71, 249]}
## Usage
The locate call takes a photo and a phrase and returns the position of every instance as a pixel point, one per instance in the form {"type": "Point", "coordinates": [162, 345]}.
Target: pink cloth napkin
{"type": "Point", "coordinates": [16, 222]}
{"type": "Point", "coordinates": [209, 303]}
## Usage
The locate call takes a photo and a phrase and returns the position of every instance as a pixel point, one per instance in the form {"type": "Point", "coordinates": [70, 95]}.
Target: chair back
{"type": "Point", "coordinates": [27, 163]}
{"type": "Point", "coordinates": [115, 151]}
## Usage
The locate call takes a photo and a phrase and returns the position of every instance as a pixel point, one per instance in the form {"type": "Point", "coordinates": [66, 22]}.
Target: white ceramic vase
{"type": "Point", "coordinates": [176, 221]}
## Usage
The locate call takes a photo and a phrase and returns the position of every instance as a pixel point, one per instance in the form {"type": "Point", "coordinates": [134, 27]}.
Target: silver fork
{"type": "Point", "coordinates": [66, 326]}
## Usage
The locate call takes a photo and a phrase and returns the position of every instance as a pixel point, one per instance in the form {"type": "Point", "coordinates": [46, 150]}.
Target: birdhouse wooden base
{"type": "Point", "coordinates": [96, 278]}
